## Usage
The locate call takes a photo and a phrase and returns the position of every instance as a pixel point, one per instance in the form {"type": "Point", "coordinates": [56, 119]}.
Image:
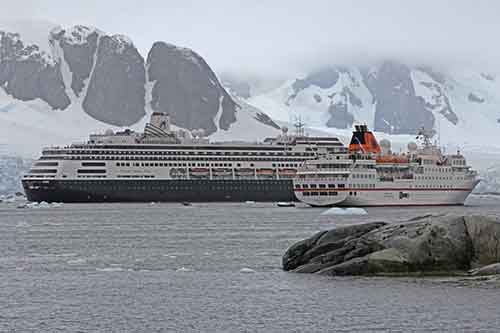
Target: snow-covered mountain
{"type": "Point", "coordinates": [81, 80]}
{"type": "Point", "coordinates": [462, 107]}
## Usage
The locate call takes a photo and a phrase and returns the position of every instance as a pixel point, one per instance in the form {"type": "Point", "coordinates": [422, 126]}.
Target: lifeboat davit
{"type": "Point", "coordinates": [393, 159]}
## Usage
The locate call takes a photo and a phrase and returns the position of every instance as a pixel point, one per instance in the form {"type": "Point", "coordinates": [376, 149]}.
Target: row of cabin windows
{"type": "Point", "coordinates": [286, 165]}
{"type": "Point", "coordinates": [363, 176]}
{"type": "Point", "coordinates": [438, 169]}
{"type": "Point", "coordinates": [362, 185]}
{"type": "Point", "coordinates": [320, 193]}
{"type": "Point", "coordinates": [435, 186]}
{"type": "Point", "coordinates": [313, 186]}
{"type": "Point", "coordinates": [226, 165]}
{"type": "Point", "coordinates": [441, 178]}
{"type": "Point", "coordinates": [39, 176]}
{"type": "Point", "coordinates": [333, 166]}
{"type": "Point", "coordinates": [138, 152]}
{"type": "Point", "coordinates": [156, 158]}
{"type": "Point", "coordinates": [93, 176]}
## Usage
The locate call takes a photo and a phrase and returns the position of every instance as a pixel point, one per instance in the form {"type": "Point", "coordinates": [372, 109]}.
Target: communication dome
{"type": "Point", "coordinates": [385, 144]}
{"type": "Point", "coordinates": [412, 146]}
{"type": "Point", "coordinates": [109, 131]}
{"type": "Point", "coordinates": [198, 133]}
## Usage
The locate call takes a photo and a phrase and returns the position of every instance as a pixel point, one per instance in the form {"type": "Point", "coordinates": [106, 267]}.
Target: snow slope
{"type": "Point", "coordinates": [462, 121]}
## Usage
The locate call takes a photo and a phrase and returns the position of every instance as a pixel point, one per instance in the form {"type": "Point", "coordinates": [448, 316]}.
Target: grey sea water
{"type": "Point", "coordinates": [211, 267]}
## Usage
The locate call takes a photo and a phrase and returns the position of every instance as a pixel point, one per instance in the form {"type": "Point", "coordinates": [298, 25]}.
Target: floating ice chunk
{"type": "Point", "coordinates": [345, 211]}
{"type": "Point", "coordinates": [184, 269]}
{"type": "Point", "coordinates": [110, 269]}
{"type": "Point", "coordinates": [79, 261]}
{"type": "Point", "coordinates": [43, 204]}
{"type": "Point", "coordinates": [246, 270]}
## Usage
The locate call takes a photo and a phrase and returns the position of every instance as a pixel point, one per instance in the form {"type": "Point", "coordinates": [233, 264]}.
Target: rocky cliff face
{"type": "Point", "coordinates": [398, 110]}
{"type": "Point", "coordinates": [122, 101]}
{"type": "Point", "coordinates": [79, 47]}
{"type": "Point", "coordinates": [185, 87]}
{"type": "Point", "coordinates": [106, 71]}
{"type": "Point", "coordinates": [28, 73]}
{"type": "Point", "coordinates": [105, 76]}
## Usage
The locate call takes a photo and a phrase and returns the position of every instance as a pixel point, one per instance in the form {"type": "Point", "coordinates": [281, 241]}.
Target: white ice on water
{"type": "Point", "coordinates": [345, 211]}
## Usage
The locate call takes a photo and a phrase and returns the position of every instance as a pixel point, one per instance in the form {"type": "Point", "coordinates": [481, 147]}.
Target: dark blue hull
{"type": "Point", "coordinates": [158, 190]}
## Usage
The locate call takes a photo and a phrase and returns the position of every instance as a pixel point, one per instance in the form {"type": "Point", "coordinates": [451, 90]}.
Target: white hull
{"type": "Point", "coordinates": [388, 197]}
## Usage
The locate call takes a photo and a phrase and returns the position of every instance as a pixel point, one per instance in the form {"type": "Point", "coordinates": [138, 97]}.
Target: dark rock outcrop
{"type": "Point", "coordinates": [398, 109]}
{"type": "Point", "coordinates": [427, 244]}
{"type": "Point", "coordinates": [116, 93]}
{"type": "Point", "coordinates": [325, 78]}
{"type": "Point", "coordinates": [340, 117]}
{"type": "Point", "coordinates": [79, 46]}
{"type": "Point", "coordinates": [185, 87]}
{"type": "Point", "coordinates": [472, 97]}
{"type": "Point", "coordinates": [27, 73]}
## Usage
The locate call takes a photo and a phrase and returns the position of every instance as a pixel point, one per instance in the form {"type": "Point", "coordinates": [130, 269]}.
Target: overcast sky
{"type": "Point", "coordinates": [282, 36]}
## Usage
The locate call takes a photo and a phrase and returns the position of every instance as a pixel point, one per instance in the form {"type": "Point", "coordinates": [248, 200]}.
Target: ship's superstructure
{"type": "Point", "coordinates": [166, 165]}
{"type": "Point", "coordinates": [369, 174]}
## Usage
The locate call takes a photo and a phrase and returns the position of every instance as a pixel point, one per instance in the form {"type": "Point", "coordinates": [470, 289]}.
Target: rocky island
{"type": "Point", "coordinates": [446, 245]}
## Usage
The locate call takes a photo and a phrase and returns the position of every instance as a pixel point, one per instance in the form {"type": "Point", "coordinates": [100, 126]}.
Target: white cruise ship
{"type": "Point", "coordinates": [369, 174]}
{"type": "Point", "coordinates": [165, 165]}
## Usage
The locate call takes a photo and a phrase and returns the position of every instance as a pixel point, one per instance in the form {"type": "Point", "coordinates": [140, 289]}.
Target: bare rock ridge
{"type": "Point", "coordinates": [107, 77]}
{"type": "Point", "coordinates": [398, 110]}
{"type": "Point", "coordinates": [185, 87]}
{"type": "Point", "coordinates": [79, 47]}
{"type": "Point", "coordinates": [426, 244]}
{"type": "Point", "coordinates": [123, 102]}
{"type": "Point", "coordinates": [28, 73]}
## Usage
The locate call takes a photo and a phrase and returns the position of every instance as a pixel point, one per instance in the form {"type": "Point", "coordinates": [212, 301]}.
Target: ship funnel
{"type": "Point", "coordinates": [364, 141]}
{"type": "Point", "coordinates": [161, 120]}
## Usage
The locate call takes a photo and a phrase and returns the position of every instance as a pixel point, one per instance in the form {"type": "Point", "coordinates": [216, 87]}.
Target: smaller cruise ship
{"type": "Point", "coordinates": [370, 174]}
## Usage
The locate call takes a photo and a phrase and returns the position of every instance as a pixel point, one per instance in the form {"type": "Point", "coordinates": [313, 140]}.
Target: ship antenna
{"type": "Point", "coordinates": [299, 126]}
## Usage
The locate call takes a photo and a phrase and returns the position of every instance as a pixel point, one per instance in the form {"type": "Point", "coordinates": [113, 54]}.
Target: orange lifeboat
{"type": "Point", "coordinates": [392, 159]}
{"type": "Point", "coordinates": [265, 171]}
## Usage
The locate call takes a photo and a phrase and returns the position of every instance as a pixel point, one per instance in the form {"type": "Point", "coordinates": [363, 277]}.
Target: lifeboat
{"type": "Point", "coordinates": [222, 171]}
{"type": "Point", "coordinates": [288, 172]}
{"type": "Point", "coordinates": [392, 159]}
{"type": "Point", "coordinates": [266, 172]}
{"type": "Point", "coordinates": [199, 170]}
{"type": "Point", "coordinates": [244, 171]}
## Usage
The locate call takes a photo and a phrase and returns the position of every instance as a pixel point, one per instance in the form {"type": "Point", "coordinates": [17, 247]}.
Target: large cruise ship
{"type": "Point", "coordinates": [369, 174]}
{"type": "Point", "coordinates": [166, 165]}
